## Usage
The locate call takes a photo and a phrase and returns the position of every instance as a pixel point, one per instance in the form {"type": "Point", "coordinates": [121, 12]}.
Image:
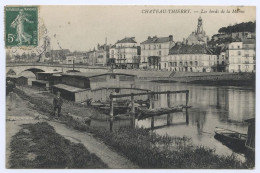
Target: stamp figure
{"type": "Point", "coordinates": [21, 26]}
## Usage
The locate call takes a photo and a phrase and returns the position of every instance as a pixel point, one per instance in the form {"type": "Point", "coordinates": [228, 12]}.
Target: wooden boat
{"type": "Point", "coordinates": [233, 139]}
{"type": "Point", "coordinates": [117, 109]}
{"type": "Point", "coordinates": [146, 113]}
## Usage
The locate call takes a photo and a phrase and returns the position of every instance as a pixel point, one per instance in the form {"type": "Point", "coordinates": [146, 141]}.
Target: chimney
{"type": "Point", "coordinates": [170, 38]}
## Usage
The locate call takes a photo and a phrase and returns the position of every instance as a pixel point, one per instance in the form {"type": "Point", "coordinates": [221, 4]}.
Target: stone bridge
{"type": "Point", "coordinates": [18, 69]}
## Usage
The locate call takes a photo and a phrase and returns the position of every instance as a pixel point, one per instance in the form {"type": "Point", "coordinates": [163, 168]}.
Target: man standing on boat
{"type": "Point", "coordinates": [57, 103]}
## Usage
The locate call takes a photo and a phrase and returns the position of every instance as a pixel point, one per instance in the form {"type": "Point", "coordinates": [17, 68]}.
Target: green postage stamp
{"type": "Point", "coordinates": [21, 26]}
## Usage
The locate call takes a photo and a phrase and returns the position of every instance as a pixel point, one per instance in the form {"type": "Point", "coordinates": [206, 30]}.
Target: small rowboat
{"type": "Point", "coordinates": [231, 138]}
{"type": "Point", "coordinates": [146, 113]}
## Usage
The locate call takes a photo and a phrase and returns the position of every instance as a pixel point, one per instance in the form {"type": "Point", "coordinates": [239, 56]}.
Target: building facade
{"type": "Point", "coordinates": [241, 56]}
{"type": "Point", "coordinates": [153, 51]}
{"type": "Point", "coordinates": [191, 58]}
{"type": "Point", "coordinates": [102, 54]}
{"type": "Point", "coordinates": [123, 54]}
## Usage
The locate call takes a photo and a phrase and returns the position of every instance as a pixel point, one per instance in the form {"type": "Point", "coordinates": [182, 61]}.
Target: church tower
{"type": "Point", "coordinates": [46, 56]}
{"type": "Point", "coordinates": [200, 27]}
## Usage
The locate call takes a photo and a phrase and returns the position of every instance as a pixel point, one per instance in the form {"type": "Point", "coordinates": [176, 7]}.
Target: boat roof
{"type": "Point", "coordinates": [91, 75]}
{"type": "Point", "coordinates": [69, 88]}
{"type": "Point", "coordinates": [41, 81]}
{"type": "Point", "coordinates": [15, 76]}
{"type": "Point", "coordinates": [45, 72]}
{"type": "Point", "coordinates": [250, 120]}
{"type": "Point", "coordinates": [56, 75]}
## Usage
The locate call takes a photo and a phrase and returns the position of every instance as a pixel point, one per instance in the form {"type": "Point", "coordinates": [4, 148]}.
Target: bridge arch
{"type": "Point", "coordinates": [11, 72]}
{"type": "Point", "coordinates": [33, 70]}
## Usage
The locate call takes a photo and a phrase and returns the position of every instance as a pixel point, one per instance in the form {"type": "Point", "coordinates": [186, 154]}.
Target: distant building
{"type": "Point", "coordinates": [241, 56]}
{"type": "Point", "coordinates": [199, 36]}
{"type": "Point", "coordinates": [243, 35]}
{"type": "Point", "coordinates": [102, 54]}
{"type": "Point", "coordinates": [59, 55]}
{"type": "Point", "coordinates": [154, 49]}
{"type": "Point", "coordinates": [192, 58]}
{"type": "Point", "coordinates": [124, 54]}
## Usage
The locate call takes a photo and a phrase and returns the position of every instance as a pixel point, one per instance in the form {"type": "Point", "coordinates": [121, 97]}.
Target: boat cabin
{"type": "Point", "coordinates": [96, 86]}
{"type": "Point", "coordinates": [71, 93]}
{"type": "Point", "coordinates": [18, 80]}
{"type": "Point", "coordinates": [95, 80]}
{"type": "Point", "coordinates": [44, 79]}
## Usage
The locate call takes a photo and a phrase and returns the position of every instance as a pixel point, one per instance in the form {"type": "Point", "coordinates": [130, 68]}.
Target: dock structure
{"type": "Point", "coordinates": [150, 96]}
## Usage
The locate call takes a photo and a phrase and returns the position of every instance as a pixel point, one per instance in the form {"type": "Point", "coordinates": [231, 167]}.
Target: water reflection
{"type": "Point", "coordinates": [212, 107]}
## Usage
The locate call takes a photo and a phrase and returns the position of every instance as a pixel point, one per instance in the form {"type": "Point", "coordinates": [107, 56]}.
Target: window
{"type": "Point", "coordinates": [154, 46]}
{"type": "Point", "coordinates": [112, 76]}
{"type": "Point", "coordinates": [149, 47]}
{"type": "Point", "coordinates": [160, 46]}
{"type": "Point", "coordinates": [160, 52]}
{"type": "Point", "coordinates": [238, 53]}
{"type": "Point", "coordinates": [238, 46]}
{"type": "Point", "coordinates": [144, 47]}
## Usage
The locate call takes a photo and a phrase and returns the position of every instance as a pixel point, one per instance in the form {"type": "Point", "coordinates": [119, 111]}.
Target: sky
{"type": "Point", "coordinates": [83, 27]}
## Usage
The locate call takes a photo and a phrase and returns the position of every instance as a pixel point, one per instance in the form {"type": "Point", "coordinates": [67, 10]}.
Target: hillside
{"type": "Point", "coordinates": [241, 27]}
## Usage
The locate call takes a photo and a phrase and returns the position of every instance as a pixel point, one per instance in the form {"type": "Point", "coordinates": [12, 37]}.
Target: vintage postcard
{"type": "Point", "coordinates": [130, 87]}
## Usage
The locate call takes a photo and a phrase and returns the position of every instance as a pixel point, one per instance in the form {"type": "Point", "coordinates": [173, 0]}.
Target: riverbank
{"type": "Point", "coordinates": [145, 148]}
{"type": "Point", "coordinates": [24, 112]}
{"type": "Point", "coordinates": [212, 78]}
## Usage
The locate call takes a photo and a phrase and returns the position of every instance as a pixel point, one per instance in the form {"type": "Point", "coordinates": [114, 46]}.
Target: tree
{"type": "Point", "coordinates": [241, 27]}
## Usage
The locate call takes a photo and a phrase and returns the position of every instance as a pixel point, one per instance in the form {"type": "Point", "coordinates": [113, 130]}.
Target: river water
{"type": "Point", "coordinates": [212, 106]}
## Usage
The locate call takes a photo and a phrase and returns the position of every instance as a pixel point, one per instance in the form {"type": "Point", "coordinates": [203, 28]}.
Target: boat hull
{"type": "Point", "coordinates": [233, 140]}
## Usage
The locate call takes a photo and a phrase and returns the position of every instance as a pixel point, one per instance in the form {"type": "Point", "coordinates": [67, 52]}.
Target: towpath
{"type": "Point", "coordinates": [23, 113]}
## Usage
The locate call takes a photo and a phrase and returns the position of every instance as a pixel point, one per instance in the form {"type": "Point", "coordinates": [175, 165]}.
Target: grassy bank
{"type": "Point", "coordinates": [39, 146]}
{"type": "Point", "coordinates": [147, 149]}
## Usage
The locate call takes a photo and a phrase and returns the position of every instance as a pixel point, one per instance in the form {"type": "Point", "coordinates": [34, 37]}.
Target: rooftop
{"type": "Point", "coordinates": [41, 81]}
{"type": "Point", "coordinates": [249, 41]}
{"type": "Point", "coordinates": [45, 72]}
{"type": "Point", "coordinates": [127, 40]}
{"type": "Point", "coordinates": [156, 39]}
{"type": "Point", "coordinates": [69, 88]}
{"type": "Point", "coordinates": [189, 49]}
{"type": "Point", "coordinates": [90, 75]}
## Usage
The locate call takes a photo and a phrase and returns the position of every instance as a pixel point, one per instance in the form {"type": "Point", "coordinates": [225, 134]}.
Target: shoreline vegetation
{"type": "Point", "coordinates": [47, 149]}
{"type": "Point", "coordinates": [145, 148]}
